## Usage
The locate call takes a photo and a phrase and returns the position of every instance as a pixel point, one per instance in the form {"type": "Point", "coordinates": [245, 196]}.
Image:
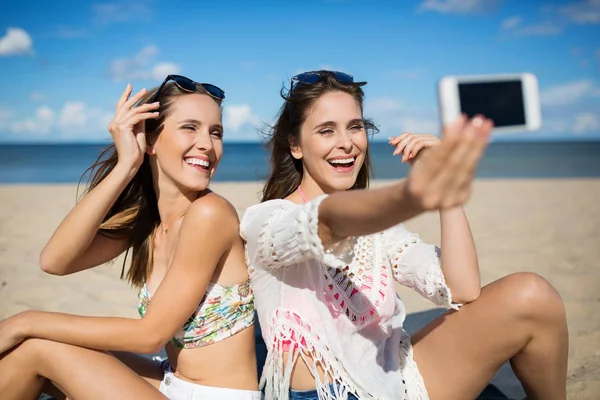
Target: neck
{"type": "Point", "coordinates": [312, 189]}
{"type": "Point", "coordinates": [172, 201]}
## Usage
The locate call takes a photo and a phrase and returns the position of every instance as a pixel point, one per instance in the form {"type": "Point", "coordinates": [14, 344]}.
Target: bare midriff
{"type": "Point", "coordinates": [226, 363]}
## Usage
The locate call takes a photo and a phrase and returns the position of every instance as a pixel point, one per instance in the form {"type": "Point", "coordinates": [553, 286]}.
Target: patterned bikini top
{"type": "Point", "coordinates": [222, 312]}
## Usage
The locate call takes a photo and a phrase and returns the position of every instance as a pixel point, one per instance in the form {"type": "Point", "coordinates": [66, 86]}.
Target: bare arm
{"type": "Point", "coordinates": [441, 179]}
{"type": "Point", "coordinates": [76, 244]}
{"type": "Point", "coordinates": [459, 257]}
{"type": "Point", "coordinates": [210, 221]}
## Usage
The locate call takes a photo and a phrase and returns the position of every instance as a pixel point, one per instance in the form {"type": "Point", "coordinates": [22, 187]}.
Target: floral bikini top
{"type": "Point", "coordinates": [222, 312]}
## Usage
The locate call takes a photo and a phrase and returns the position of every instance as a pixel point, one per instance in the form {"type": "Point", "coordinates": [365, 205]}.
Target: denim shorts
{"type": "Point", "coordinates": [312, 395]}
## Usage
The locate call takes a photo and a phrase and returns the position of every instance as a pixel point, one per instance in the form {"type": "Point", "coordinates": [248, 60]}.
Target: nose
{"type": "Point", "coordinates": [344, 141]}
{"type": "Point", "coordinates": [204, 141]}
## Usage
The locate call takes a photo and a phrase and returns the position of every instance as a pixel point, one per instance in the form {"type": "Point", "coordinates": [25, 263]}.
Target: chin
{"type": "Point", "coordinates": [341, 184]}
{"type": "Point", "coordinates": [197, 185]}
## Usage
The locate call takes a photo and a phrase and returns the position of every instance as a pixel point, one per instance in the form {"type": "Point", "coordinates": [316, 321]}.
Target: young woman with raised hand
{"type": "Point", "coordinates": [324, 252]}
{"type": "Point", "coordinates": [149, 195]}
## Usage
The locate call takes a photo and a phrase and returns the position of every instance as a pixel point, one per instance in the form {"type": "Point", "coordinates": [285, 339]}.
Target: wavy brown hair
{"type": "Point", "coordinates": [286, 171]}
{"type": "Point", "coordinates": [134, 215]}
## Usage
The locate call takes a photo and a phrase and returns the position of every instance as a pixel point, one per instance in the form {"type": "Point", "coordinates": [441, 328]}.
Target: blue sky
{"type": "Point", "coordinates": [64, 64]}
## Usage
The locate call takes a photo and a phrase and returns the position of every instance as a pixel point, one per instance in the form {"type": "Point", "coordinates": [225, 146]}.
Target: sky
{"type": "Point", "coordinates": [64, 64]}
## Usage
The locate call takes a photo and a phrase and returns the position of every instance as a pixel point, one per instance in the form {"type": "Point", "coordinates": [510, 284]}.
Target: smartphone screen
{"type": "Point", "coordinates": [502, 102]}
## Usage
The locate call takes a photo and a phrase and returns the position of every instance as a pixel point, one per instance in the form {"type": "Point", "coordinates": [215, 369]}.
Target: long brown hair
{"type": "Point", "coordinates": [286, 171]}
{"type": "Point", "coordinates": [134, 216]}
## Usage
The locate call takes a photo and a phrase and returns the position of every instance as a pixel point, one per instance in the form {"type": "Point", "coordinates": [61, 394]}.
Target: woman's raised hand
{"type": "Point", "coordinates": [127, 127]}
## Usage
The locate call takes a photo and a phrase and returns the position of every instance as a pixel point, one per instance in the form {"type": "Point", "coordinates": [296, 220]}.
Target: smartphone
{"type": "Point", "coordinates": [512, 101]}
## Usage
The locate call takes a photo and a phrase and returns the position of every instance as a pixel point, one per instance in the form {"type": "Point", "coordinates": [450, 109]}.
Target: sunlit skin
{"type": "Point", "coordinates": [194, 128]}
{"type": "Point", "coordinates": [197, 242]}
{"type": "Point", "coordinates": [502, 321]}
{"type": "Point", "coordinates": [333, 129]}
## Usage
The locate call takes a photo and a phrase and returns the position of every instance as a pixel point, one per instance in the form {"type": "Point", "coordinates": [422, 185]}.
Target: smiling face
{"type": "Point", "coordinates": [189, 147]}
{"type": "Point", "coordinates": [332, 143]}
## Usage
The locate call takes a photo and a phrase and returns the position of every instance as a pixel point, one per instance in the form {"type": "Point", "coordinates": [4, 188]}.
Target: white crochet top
{"type": "Point", "coordinates": [339, 307]}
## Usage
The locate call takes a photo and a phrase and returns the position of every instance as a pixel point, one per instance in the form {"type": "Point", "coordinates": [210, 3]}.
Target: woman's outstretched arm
{"type": "Point", "coordinates": [441, 179]}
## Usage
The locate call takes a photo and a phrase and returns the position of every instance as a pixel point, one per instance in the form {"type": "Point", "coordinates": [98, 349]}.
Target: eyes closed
{"type": "Point", "coordinates": [353, 128]}
{"type": "Point", "coordinates": [215, 131]}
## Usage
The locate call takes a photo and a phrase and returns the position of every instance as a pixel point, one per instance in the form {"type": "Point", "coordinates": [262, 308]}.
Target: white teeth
{"type": "Point", "coordinates": [196, 161]}
{"type": "Point", "coordinates": [342, 160]}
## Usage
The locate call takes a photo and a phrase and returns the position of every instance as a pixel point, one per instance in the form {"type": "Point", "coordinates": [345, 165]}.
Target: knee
{"type": "Point", "coordinates": [31, 350]}
{"type": "Point", "coordinates": [532, 296]}
{"type": "Point", "coordinates": [22, 354]}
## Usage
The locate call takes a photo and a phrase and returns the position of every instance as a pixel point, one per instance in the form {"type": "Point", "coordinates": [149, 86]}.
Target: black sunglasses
{"type": "Point", "coordinates": [188, 85]}
{"type": "Point", "coordinates": [310, 77]}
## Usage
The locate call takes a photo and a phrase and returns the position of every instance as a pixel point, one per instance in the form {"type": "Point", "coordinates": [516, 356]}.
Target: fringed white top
{"type": "Point", "coordinates": [339, 307]}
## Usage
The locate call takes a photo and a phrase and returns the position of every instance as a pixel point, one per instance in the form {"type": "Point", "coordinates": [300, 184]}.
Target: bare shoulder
{"type": "Point", "coordinates": [214, 212]}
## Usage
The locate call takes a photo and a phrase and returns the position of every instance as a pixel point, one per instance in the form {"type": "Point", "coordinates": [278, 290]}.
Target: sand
{"type": "Point", "coordinates": [551, 227]}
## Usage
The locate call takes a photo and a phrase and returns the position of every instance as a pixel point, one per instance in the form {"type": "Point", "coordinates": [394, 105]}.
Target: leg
{"type": "Point", "coordinates": [144, 367]}
{"type": "Point", "coordinates": [78, 372]}
{"type": "Point", "coordinates": [519, 318]}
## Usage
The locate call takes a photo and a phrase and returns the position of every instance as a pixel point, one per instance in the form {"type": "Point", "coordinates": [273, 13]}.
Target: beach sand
{"type": "Point", "coordinates": [551, 227]}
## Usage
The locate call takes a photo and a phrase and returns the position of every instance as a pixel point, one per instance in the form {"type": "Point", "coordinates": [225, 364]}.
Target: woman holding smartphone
{"type": "Point", "coordinates": [324, 253]}
{"type": "Point", "coordinates": [149, 195]}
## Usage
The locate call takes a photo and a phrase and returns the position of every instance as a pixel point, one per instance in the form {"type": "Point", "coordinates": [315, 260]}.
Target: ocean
{"type": "Point", "coordinates": [64, 163]}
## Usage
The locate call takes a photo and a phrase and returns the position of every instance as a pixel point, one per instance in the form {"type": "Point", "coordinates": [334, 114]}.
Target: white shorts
{"type": "Point", "coordinates": [178, 389]}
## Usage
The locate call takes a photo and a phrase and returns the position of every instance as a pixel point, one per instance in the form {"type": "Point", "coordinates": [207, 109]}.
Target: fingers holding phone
{"type": "Point", "coordinates": [442, 178]}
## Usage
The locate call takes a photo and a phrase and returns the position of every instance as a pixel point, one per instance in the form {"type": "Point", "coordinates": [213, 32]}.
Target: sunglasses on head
{"type": "Point", "coordinates": [311, 77]}
{"type": "Point", "coordinates": [188, 85]}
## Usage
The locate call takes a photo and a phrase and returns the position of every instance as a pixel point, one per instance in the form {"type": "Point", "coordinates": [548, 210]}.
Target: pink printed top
{"type": "Point", "coordinates": [337, 306]}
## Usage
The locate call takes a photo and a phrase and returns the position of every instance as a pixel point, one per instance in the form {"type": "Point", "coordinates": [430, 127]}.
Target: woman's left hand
{"type": "Point", "coordinates": [411, 144]}
{"type": "Point", "coordinates": [10, 334]}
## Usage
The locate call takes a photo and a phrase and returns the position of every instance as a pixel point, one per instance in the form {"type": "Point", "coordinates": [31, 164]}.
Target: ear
{"type": "Point", "coordinates": [295, 147]}
{"type": "Point", "coordinates": [150, 148]}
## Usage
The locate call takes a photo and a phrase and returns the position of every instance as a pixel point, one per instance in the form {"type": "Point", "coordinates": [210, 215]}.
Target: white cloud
{"type": "Point", "coordinates": [585, 123]}
{"type": "Point", "coordinates": [393, 118]}
{"type": "Point", "coordinates": [140, 66]}
{"type": "Point", "coordinates": [556, 19]}
{"type": "Point", "coordinates": [121, 11]}
{"type": "Point", "coordinates": [40, 124]}
{"type": "Point", "coordinates": [5, 117]}
{"type": "Point", "coordinates": [569, 93]}
{"type": "Point", "coordinates": [162, 69]}
{"type": "Point", "coordinates": [75, 119]}
{"type": "Point", "coordinates": [38, 96]}
{"type": "Point", "coordinates": [73, 115]}
{"type": "Point", "coordinates": [419, 125]}
{"type": "Point", "coordinates": [237, 116]}
{"type": "Point", "coordinates": [512, 22]}
{"type": "Point", "coordinates": [586, 12]}
{"type": "Point", "coordinates": [384, 105]}
{"type": "Point", "coordinates": [16, 41]}
{"type": "Point", "coordinates": [556, 125]}
{"type": "Point", "coordinates": [515, 26]}
{"type": "Point", "coordinates": [71, 33]}
{"type": "Point", "coordinates": [546, 28]}
{"type": "Point", "coordinates": [457, 6]}
{"type": "Point", "coordinates": [580, 123]}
